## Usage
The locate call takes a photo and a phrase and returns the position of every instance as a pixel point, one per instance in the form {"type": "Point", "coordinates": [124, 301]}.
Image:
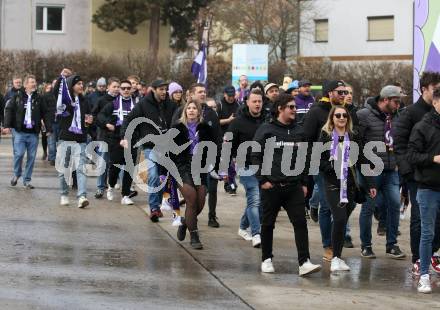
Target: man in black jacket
{"type": "Point", "coordinates": [157, 107]}
{"type": "Point", "coordinates": [73, 120]}
{"type": "Point", "coordinates": [112, 93]}
{"type": "Point", "coordinates": [23, 115]}
{"type": "Point", "coordinates": [227, 112]}
{"type": "Point", "coordinates": [243, 129]}
{"type": "Point", "coordinates": [408, 118]}
{"type": "Point", "coordinates": [376, 123]}
{"type": "Point", "coordinates": [17, 85]}
{"type": "Point", "coordinates": [424, 153]}
{"type": "Point", "coordinates": [280, 186]}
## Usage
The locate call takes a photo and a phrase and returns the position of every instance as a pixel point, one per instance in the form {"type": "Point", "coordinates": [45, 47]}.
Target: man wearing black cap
{"type": "Point", "coordinates": [74, 118]}
{"type": "Point", "coordinates": [333, 94]}
{"type": "Point", "coordinates": [226, 113]}
{"type": "Point", "coordinates": [157, 107]}
{"type": "Point", "coordinates": [303, 100]}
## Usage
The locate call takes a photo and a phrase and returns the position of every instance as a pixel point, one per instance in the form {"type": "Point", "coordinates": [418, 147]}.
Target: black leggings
{"type": "Point", "coordinates": [291, 198]}
{"type": "Point", "coordinates": [212, 196]}
{"type": "Point", "coordinates": [340, 214]}
{"type": "Point", "coordinates": [195, 201]}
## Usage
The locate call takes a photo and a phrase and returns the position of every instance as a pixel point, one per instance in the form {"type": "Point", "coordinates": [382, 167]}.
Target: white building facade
{"type": "Point", "coordinates": [358, 30]}
{"type": "Point", "coordinates": [45, 24]}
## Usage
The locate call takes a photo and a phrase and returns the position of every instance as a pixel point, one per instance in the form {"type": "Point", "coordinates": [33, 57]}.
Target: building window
{"type": "Point", "coordinates": [321, 30]}
{"type": "Point", "coordinates": [49, 18]}
{"type": "Point", "coordinates": [381, 28]}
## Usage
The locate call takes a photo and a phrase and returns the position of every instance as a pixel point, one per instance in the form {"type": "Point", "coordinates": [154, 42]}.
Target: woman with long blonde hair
{"type": "Point", "coordinates": [339, 171]}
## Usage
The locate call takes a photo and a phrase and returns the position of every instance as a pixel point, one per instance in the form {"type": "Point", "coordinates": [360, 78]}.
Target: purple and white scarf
{"type": "Point", "coordinates": [121, 108]}
{"type": "Point", "coordinates": [389, 141]}
{"type": "Point", "coordinates": [343, 192]}
{"type": "Point", "coordinates": [28, 116]}
{"type": "Point", "coordinates": [63, 100]}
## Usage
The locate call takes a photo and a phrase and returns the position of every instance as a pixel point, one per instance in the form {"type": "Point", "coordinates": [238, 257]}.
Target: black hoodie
{"type": "Point", "coordinates": [424, 144]}
{"type": "Point", "coordinates": [285, 135]}
{"type": "Point", "coordinates": [243, 129]}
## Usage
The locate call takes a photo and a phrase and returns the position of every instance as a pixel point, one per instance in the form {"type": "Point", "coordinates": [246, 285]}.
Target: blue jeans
{"type": "Point", "coordinates": [101, 181]}
{"type": "Point", "coordinates": [52, 142]}
{"type": "Point", "coordinates": [389, 188]}
{"type": "Point", "coordinates": [24, 143]}
{"type": "Point", "coordinates": [314, 200]}
{"type": "Point", "coordinates": [429, 204]}
{"type": "Point", "coordinates": [251, 216]}
{"type": "Point", "coordinates": [154, 199]}
{"type": "Point", "coordinates": [68, 154]}
{"type": "Point", "coordinates": [325, 215]}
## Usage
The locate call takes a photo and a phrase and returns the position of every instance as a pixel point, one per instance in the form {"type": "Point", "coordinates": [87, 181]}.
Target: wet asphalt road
{"type": "Point", "coordinates": [112, 257]}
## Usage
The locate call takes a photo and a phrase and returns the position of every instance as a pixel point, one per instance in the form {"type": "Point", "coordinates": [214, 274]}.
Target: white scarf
{"type": "Point", "coordinates": [28, 115]}
{"type": "Point", "coordinates": [75, 127]}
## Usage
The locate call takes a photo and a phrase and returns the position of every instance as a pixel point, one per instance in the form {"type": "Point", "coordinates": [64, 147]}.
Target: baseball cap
{"type": "Point", "coordinates": [269, 86]}
{"type": "Point", "coordinates": [304, 83]}
{"type": "Point", "coordinates": [331, 86]}
{"type": "Point", "coordinates": [390, 91]}
{"type": "Point", "coordinates": [159, 83]}
{"type": "Point", "coordinates": [230, 90]}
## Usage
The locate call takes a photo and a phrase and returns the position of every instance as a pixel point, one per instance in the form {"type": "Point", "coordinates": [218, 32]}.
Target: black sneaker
{"type": "Point", "coordinates": [227, 188]}
{"type": "Point", "coordinates": [28, 186]}
{"type": "Point", "coordinates": [14, 180]}
{"type": "Point", "coordinates": [195, 240]}
{"type": "Point", "coordinates": [381, 230]}
{"type": "Point", "coordinates": [212, 222]}
{"type": "Point", "coordinates": [181, 231]}
{"type": "Point", "coordinates": [367, 252]}
{"type": "Point", "coordinates": [233, 192]}
{"type": "Point", "coordinates": [348, 243]}
{"type": "Point", "coordinates": [99, 194]}
{"type": "Point", "coordinates": [307, 214]}
{"type": "Point", "coordinates": [395, 252]}
{"type": "Point", "coordinates": [154, 216]}
{"type": "Point", "coordinates": [314, 214]}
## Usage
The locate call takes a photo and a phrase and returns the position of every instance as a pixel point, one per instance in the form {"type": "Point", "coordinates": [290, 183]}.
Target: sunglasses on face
{"type": "Point", "coordinates": [339, 115]}
{"type": "Point", "coordinates": [342, 92]}
{"type": "Point", "coordinates": [291, 106]}
{"type": "Point", "coordinates": [125, 88]}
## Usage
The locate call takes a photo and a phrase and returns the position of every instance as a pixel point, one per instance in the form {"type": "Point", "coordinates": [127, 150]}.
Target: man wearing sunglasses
{"type": "Point", "coordinates": [376, 123]}
{"type": "Point", "coordinates": [333, 94]}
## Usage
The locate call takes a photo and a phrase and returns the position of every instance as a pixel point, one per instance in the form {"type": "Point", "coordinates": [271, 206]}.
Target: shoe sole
{"type": "Point", "coordinates": [214, 226]}
{"type": "Point", "coordinates": [83, 205]}
{"type": "Point", "coordinates": [369, 257]}
{"type": "Point", "coordinates": [317, 269]}
{"type": "Point", "coordinates": [197, 247]}
{"type": "Point", "coordinates": [396, 257]}
{"type": "Point", "coordinates": [272, 271]}
{"type": "Point", "coordinates": [246, 239]}
{"type": "Point", "coordinates": [257, 246]}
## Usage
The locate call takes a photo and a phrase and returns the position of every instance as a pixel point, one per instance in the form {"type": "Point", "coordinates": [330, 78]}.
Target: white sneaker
{"type": "Point", "coordinates": [308, 268]}
{"type": "Point", "coordinates": [244, 234]}
{"type": "Point", "coordinates": [110, 193]}
{"type": "Point", "coordinates": [338, 265]}
{"type": "Point", "coordinates": [267, 266]}
{"type": "Point", "coordinates": [256, 241]}
{"type": "Point", "coordinates": [82, 202]}
{"type": "Point", "coordinates": [166, 205]}
{"type": "Point", "coordinates": [126, 201]}
{"type": "Point", "coordinates": [117, 186]}
{"type": "Point", "coordinates": [64, 200]}
{"type": "Point", "coordinates": [177, 221]}
{"type": "Point", "coordinates": [424, 285]}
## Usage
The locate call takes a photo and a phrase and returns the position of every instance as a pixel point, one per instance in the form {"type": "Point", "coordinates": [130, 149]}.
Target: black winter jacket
{"type": "Point", "coordinates": [327, 167]}
{"type": "Point", "coordinates": [285, 136]}
{"type": "Point", "coordinates": [372, 128]}
{"type": "Point", "coordinates": [317, 116]}
{"type": "Point", "coordinates": [66, 121]}
{"type": "Point", "coordinates": [183, 160]}
{"type": "Point", "coordinates": [225, 110]}
{"type": "Point", "coordinates": [160, 113]}
{"type": "Point", "coordinates": [97, 108]}
{"type": "Point", "coordinates": [15, 112]}
{"type": "Point", "coordinates": [409, 116]}
{"type": "Point", "coordinates": [243, 128]}
{"type": "Point", "coordinates": [424, 144]}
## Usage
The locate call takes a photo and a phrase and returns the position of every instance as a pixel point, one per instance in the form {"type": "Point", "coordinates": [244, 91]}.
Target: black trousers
{"type": "Point", "coordinates": [291, 198]}
{"type": "Point", "coordinates": [113, 171]}
{"type": "Point", "coordinates": [212, 196]}
{"type": "Point", "coordinates": [340, 214]}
